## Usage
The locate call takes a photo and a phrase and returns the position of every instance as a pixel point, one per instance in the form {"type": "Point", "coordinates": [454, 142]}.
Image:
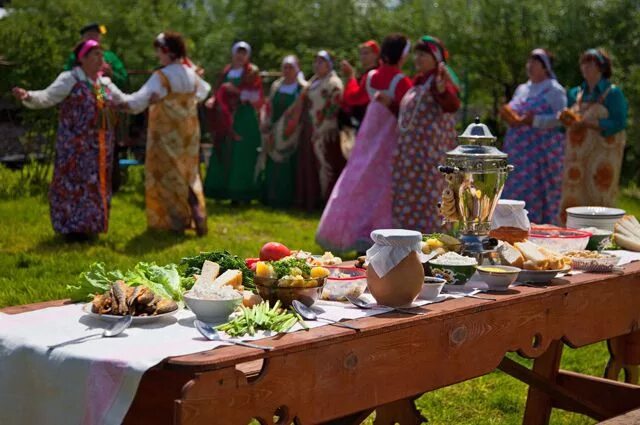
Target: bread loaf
{"type": "Point", "coordinates": [511, 255]}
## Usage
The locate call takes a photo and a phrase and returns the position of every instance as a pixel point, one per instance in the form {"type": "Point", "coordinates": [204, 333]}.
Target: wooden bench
{"type": "Point", "coordinates": [629, 418]}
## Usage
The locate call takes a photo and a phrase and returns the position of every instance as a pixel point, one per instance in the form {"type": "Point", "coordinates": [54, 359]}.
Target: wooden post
{"type": "Point", "coordinates": [624, 352]}
{"type": "Point", "coordinates": [539, 404]}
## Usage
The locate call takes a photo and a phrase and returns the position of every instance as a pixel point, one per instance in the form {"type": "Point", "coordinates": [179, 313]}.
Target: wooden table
{"type": "Point", "coordinates": [338, 376]}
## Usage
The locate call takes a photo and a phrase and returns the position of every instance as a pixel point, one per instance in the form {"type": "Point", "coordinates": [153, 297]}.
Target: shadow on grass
{"type": "Point", "coordinates": [215, 207]}
{"type": "Point", "coordinates": [153, 240]}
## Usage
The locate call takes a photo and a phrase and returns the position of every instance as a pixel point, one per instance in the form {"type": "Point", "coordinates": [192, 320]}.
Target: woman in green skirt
{"type": "Point", "coordinates": [282, 121]}
{"type": "Point", "coordinates": [235, 129]}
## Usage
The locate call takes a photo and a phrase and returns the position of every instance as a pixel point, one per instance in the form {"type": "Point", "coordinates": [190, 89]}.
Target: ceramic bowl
{"type": "Point", "coordinates": [498, 278]}
{"type": "Point", "coordinates": [211, 311]}
{"type": "Point", "coordinates": [601, 217]}
{"type": "Point", "coordinates": [431, 288]}
{"type": "Point", "coordinates": [540, 276]}
{"type": "Point", "coordinates": [453, 274]}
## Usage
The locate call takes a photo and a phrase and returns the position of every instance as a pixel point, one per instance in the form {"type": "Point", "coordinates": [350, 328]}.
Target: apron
{"type": "Point", "coordinates": [592, 162]}
{"type": "Point", "coordinates": [426, 134]}
{"type": "Point", "coordinates": [537, 157]}
{"type": "Point", "coordinates": [173, 188]}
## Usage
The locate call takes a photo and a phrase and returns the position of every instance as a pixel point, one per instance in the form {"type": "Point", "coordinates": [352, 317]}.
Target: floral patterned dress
{"type": "Point", "coordinates": [426, 134]}
{"type": "Point", "coordinates": [592, 161]}
{"type": "Point", "coordinates": [173, 186]}
{"type": "Point", "coordinates": [325, 97]}
{"type": "Point", "coordinates": [537, 157]}
{"type": "Point", "coordinates": [80, 192]}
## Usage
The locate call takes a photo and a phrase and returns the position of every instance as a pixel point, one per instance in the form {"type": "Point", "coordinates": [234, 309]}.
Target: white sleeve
{"type": "Point", "coordinates": [203, 89]}
{"type": "Point", "coordinates": [116, 94]}
{"type": "Point", "coordinates": [557, 99]}
{"type": "Point", "coordinates": [520, 92]}
{"type": "Point", "coordinates": [52, 95]}
{"type": "Point", "coordinates": [139, 101]}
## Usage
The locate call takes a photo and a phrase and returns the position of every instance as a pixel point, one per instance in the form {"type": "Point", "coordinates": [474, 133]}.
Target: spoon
{"type": "Point", "coordinates": [360, 303]}
{"type": "Point", "coordinates": [212, 334]}
{"type": "Point", "coordinates": [115, 329]}
{"type": "Point", "coordinates": [308, 314]}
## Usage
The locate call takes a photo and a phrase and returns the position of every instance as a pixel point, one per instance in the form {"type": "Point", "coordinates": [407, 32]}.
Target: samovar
{"type": "Point", "coordinates": [476, 172]}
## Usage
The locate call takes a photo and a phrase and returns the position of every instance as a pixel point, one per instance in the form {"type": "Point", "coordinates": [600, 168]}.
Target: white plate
{"type": "Point", "coordinates": [539, 276]}
{"type": "Point", "coordinates": [136, 319]}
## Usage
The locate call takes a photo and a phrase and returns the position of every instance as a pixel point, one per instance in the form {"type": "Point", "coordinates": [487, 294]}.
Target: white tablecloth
{"type": "Point", "coordinates": [95, 381]}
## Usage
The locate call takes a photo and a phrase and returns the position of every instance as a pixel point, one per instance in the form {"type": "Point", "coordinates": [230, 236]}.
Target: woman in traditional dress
{"type": "Point", "coordinates": [235, 128]}
{"type": "Point", "coordinates": [427, 132]}
{"type": "Point", "coordinates": [534, 141]}
{"type": "Point", "coordinates": [282, 121]}
{"type": "Point", "coordinates": [361, 200]}
{"type": "Point", "coordinates": [595, 142]}
{"type": "Point", "coordinates": [173, 186]}
{"type": "Point", "coordinates": [80, 192]}
{"type": "Point", "coordinates": [325, 96]}
{"type": "Point", "coordinates": [355, 98]}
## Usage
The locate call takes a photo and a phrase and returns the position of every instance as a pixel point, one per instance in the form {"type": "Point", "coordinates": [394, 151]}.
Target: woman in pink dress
{"type": "Point", "coordinates": [361, 199]}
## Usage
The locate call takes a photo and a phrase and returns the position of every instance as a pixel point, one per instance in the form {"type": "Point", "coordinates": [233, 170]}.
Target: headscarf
{"type": "Point", "coordinates": [373, 45]}
{"type": "Point", "coordinates": [544, 57]}
{"type": "Point", "coordinates": [436, 47]}
{"type": "Point", "coordinates": [407, 48]}
{"type": "Point", "coordinates": [241, 45]}
{"type": "Point", "coordinates": [326, 56]}
{"type": "Point", "coordinates": [595, 52]}
{"type": "Point", "coordinates": [293, 61]}
{"type": "Point", "coordinates": [86, 47]}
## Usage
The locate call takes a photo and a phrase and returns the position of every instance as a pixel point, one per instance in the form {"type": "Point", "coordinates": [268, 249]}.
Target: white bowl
{"type": "Point", "coordinates": [498, 280]}
{"type": "Point", "coordinates": [431, 288]}
{"type": "Point", "coordinates": [212, 311]}
{"type": "Point", "coordinates": [601, 217]}
{"type": "Point", "coordinates": [540, 276]}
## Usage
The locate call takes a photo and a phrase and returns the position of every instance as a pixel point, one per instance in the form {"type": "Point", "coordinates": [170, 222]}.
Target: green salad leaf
{"type": "Point", "coordinates": [162, 280]}
{"type": "Point", "coordinates": [94, 281]}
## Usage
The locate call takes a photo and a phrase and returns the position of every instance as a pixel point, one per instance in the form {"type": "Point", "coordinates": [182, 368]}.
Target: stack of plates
{"type": "Point", "coordinates": [601, 217]}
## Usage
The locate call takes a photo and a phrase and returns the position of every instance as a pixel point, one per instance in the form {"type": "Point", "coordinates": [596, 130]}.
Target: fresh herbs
{"type": "Point", "coordinates": [286, 266]}
{"type": "Point", "coordinates": [260, 317]}
{"type": "Point", "coordinates": [193, 265]}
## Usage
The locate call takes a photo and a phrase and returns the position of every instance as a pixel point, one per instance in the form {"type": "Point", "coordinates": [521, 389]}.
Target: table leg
{"type": "Point", "coordinates": [539, 404]}
{"type": "Point", "coordinates": [624, 352]}
{"type": "Point", "coordinates": [403, 412]}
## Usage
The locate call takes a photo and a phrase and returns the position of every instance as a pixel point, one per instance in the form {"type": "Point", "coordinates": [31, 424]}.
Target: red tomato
{"type": "Point", "coordinates": [273, 251]}
{"type": "Point", "coordinates": [251, 263]}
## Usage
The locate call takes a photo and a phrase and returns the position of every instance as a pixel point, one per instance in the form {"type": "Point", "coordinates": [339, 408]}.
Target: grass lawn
{"type": "Point", "coordinates": [35, 265]}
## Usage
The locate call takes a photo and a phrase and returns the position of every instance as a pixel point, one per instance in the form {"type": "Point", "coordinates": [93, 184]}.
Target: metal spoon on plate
{"type": "Point", "coordinates": [116, 328]}
{"type": "Point", "coordinates": [212, 334]}
{"type": "Point", "coordinates": [363, 304]}
{"type": "Point", "coordinates": [308, 314]}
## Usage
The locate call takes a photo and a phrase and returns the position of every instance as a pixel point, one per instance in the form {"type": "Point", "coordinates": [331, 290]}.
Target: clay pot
{"type": "Point", "coordinates": [401, 285]}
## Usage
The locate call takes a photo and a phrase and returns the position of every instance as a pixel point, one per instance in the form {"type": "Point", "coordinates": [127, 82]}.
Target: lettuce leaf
{"type": "Point", "coordinates": [94, 281]}
{"type": "Point", "coordinates": [164, 281]}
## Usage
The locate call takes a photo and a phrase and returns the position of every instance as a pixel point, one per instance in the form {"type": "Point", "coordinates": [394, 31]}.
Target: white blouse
{"type": "Point", "coordinates": [556, 97]}
{"type": "Point", "coordinates": [182, 79]}
{"type": "Point", "coordinates": [62, 86]}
